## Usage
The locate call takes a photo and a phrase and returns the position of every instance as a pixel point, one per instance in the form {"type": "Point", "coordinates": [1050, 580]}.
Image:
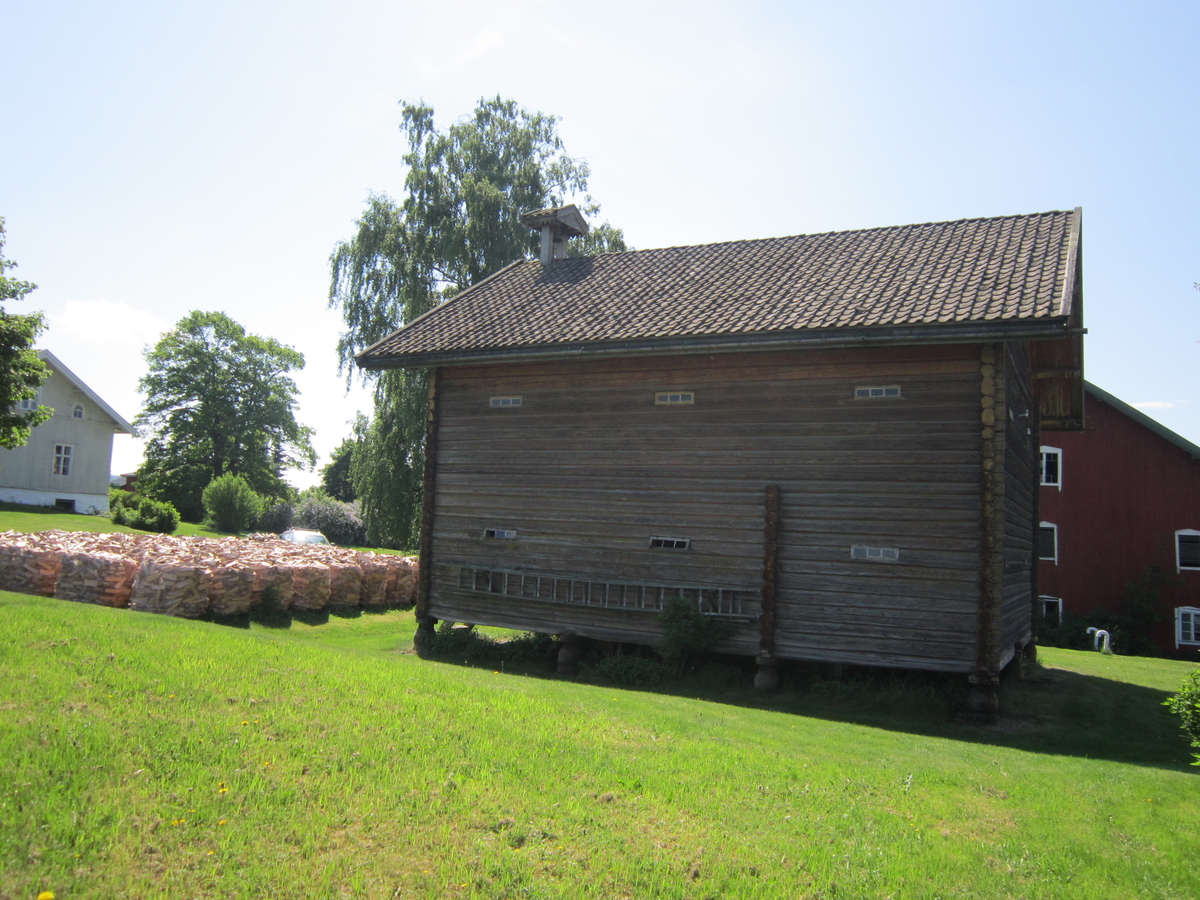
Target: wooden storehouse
{"type": "Point", "coordinates": [829, 440]}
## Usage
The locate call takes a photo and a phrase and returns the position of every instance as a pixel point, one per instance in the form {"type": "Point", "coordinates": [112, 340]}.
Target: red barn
{"type": "Point", "coordinates": [1117, 498]}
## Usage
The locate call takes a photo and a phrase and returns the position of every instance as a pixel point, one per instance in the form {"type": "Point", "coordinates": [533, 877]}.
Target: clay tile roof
{"type": "Point", "coordinates": [902, 280]}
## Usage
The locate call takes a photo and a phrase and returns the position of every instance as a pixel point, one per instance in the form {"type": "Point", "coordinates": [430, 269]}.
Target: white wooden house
{"type": "Point", "coordinates": [67, 459]}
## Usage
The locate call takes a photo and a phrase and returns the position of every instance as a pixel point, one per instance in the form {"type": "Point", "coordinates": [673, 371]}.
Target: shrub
{"type": "Point", "coordinates": [686, 631]}
{"type": "Point", "coordinates": [230, 503]}
{"type": "Point", "coordinates": [144, 513]}
{"type": "Point", "coordinates": [1186, 704]}
{"type": "Point", "coordinates": [336, 520]}
{"type": "Point", "coordinates": [277, 517]}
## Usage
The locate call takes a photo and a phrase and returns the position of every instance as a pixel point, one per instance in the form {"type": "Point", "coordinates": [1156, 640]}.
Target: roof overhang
{"type": "Point", "coordinates": [1049, 330]}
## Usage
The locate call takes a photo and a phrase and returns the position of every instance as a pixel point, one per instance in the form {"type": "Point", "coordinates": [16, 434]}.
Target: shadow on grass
{"type": "Point", "coordinates": [1051, 711]}
{"type": "Point", "coordinates": [283, 619]}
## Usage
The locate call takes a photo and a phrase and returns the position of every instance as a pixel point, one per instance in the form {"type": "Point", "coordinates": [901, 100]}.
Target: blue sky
{"type": "Point", "coordinates": [158, 158]}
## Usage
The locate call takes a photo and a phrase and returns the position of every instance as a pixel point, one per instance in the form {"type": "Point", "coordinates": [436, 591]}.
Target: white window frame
{"type": "Point", "coordinates": [1042, 467]}
{"type": "Point", "coordinates": [1193, 614]}
{"type": "Point", "coordinates": [1053, 559]}
{"type": "Point", "coordinates": [25, 404]}
{"type": "Point", "coordinates": [1045, 601]}
{"type": "Point", "coordinates": [77, 411]}
{"type": "Point", "coordinates": [64, 458]}
{"type": "Point", "coordinates": [1188, 532]}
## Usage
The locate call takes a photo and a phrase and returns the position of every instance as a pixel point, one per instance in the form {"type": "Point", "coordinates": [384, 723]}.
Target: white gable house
{"type": "Point", "coordinates": [67, 459]}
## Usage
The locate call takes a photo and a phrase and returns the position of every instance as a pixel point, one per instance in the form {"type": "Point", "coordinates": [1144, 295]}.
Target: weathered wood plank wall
{"type": "Point", "coordinates": [587, 469]}
{"type": "Point", "coordinates": [1020, 499]}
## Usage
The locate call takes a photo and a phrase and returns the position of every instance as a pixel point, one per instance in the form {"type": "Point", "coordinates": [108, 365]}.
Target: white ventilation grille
{"type": "Point", "coordinates": [505, 402]}
{"type": "Point", "coordinates": [670, 543]}
{"type": "Point", "coordinates": [877, 392]}
{"type": "Point", "coordinates": [884, 554]}
{"type": "Point", "coordinates": [675, 398]}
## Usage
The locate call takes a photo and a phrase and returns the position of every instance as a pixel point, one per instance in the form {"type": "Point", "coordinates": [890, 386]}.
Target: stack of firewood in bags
{"type": "Point", "coordinates": [189, 576]}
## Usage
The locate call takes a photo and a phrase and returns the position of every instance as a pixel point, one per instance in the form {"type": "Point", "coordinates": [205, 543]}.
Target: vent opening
{"type": "Point", "coordinates": [505, 402]}
{"type": "Point", "coordinates": [876, 393]}
{"type": "Point", "coordinates": [862, 551]}
{"type": "Point", "coordinates": [500, 534]}
{"type": "Point", "coordinates": [669, 543]}
{"type": "Point", "coordinates": [674, 398]}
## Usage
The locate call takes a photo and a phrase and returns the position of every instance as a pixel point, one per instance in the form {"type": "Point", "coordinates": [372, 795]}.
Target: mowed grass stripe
{"type": "Point", "coordinates": [152, 757]}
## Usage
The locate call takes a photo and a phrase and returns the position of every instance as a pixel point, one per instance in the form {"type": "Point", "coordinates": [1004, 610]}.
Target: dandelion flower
{"type": "Point", "coordinates": [223, 821]}
{"type": "Point", "coordinates": [46, 895]}
{"type": "Point", "coordinates": [244, 722]}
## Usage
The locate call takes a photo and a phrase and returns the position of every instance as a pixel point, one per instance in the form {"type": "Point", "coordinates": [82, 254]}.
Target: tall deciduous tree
{"type": "Point", "coordinates": [219, 401]}
{"type": "Point", "coordinates": [21, 372]}
{"type": "Point", "coordinates": [459, 221]}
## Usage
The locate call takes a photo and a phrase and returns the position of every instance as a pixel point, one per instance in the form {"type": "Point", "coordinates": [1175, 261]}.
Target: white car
{"type": "Point", "coordinates": [299, 536]}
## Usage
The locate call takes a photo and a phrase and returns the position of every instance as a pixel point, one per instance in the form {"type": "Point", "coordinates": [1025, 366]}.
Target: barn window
{"type": "Point", "coordinates": [674, 398]}
{"type": "Point", "coordinates": [1187, 625]}
{"type": "Point", "coordinates": [1187, 549]}
{"type": "Point", "coordinates": [1051, 609]}
{"type": "Point", "coordinates": [669, 543]}
{"type": "Point", "coordinates": [500, 534]}
{"type": "Point", "coordinates": [505, 402]}
{"type": "Point", "coordinates": [63, 454]}
{"type": "Point", "coordinates": [1048, 542]}
{"type": "Point", "coordinates": [876, 392]}
{"type": "Point", "coordinates": [1051, 467]}
{"type": "Point", "coordinates": [862, 551]}
{"type": "Point", "coordinates": [77, 411]}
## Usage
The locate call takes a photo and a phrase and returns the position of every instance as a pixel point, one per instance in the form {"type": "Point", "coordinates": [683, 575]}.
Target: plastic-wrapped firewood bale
{"type": "Point", "coordinates": [231, 591]}
{"type": "Point", "coordinates": [311, 585]}
{"type": "Point", "coordinates": [274, 585]}
{"type": "Point", "coordinates": [374, 579]}
{"type": "Point", "coordinates": [402, 580]}
{"type": "Point", "coordinates": [30, 569]}
{"type": "Point", "coordinates": [96, 576]}
{"type": "Point", "coordinates": [345, 582]}
{"type": "Point", "coordinates": [171, 586]}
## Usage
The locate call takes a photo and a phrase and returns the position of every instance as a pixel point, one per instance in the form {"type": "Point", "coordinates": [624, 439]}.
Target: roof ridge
{"type": "Point", "coordinates": [818, 234]}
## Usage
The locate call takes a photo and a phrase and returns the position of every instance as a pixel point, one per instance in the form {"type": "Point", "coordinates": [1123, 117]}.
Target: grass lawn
{"type": "Point", "coordinates": [144, 756]}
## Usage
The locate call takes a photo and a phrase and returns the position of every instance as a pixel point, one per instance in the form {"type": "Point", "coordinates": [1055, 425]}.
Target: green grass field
{"type": "Point", "coordinates": [144, 756]}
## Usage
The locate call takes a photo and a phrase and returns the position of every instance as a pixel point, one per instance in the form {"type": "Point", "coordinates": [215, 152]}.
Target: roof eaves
{"type": "Point", "coordinates": [1142, 419]}
{"type": "Point", "coordinates": [47, 356]}
{"type": "Point", "coordinates": [878, 335]}
{"type": "Point", "coordinates": [1072, 267]}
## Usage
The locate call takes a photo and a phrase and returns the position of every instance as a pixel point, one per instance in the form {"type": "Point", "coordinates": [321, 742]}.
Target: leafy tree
{"type": "Point", "coordinates": [335, 477]}
{"type": "Point", "coordinates": [21, 372]}
{"type": "Point", "coordinates": [219, 401]}
{"type": "Point", "coordinates": [459, 221]}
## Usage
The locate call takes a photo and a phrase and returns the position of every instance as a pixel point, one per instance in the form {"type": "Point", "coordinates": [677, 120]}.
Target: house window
{"type": "Point", "coordinates": [1187, 625]}
{"type": "Point", "coordinates": [1051, 608]}
{"type": "Point", "coordinates": [1051, 467]}
{"type": "Point", "coordinates": [861, 551]}
{"type": "Point", "coordinates": [674, 398]}
{"type": "Point", "coordinates": [1187, 549]}
{"type": "Point", "coordinates": [28, 403]}
{"type": "Point", "coordinates": [500, 534]}
{"type": "Point", "coordinates": [505, 402]}
{"type": "Point", "coordinates": [1048, 542]}
{"type": "Point", "coordinates": [668, 543]}
{"type": "Point", "coordinates": [876, 392]}
{"type": "Point", "coordinates": [62, 458]}
{"type": "Point", "coordinates": [77, 411]}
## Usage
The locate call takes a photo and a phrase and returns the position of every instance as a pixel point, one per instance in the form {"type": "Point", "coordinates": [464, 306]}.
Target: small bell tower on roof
{"type": "Point", "coordinates": [557, 225]}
